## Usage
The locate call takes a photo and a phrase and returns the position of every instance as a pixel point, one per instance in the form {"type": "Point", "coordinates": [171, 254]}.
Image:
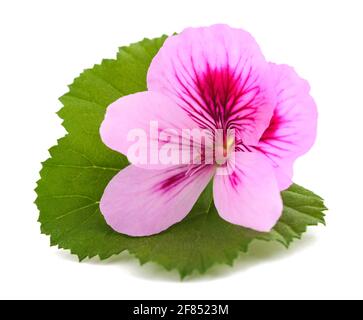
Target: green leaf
{"type": "Point", "coordinates": [80, 167]}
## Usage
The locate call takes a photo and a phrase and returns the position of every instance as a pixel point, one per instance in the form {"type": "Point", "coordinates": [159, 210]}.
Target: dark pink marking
{"type": "Point", "coordinates": [173, 181]}
{"type": "Point", "coordinates": [219, 98]}
{"type": "Point", "coordinates": [177, 182]}
{"type": "Point", "coordinates": [234, 180]}
{"type": "Point", "coordinates": [271, 138]}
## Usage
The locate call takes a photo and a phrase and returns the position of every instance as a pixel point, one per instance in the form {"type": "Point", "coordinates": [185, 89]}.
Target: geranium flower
{"type": "Point", "coordinates": [210, 78]}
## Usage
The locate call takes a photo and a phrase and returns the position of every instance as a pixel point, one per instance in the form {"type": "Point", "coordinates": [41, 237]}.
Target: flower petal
{"type": "Point", "coordinates": [219, 76]}
{"type": "Point", "coordinates": [292, 130]}
{"type": "Point", "coordinates": [143, 115]}
{"type": "Point", "coordinates": [248, 195]}
{"type": "Point", "coordinates": [283, 172]}
{"type": "Point", "coordinates": [140, 202]}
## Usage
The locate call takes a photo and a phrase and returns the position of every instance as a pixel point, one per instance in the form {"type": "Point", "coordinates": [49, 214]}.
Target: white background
{"type": "Point", "coordinates": [45, 44]}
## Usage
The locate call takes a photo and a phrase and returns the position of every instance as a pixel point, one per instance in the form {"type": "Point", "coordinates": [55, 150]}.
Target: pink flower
{"type": "Point", "coordinates": [211, 78]}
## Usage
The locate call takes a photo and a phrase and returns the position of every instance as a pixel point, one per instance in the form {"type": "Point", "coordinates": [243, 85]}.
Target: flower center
{"type": "Point", "coordinates": [224, 149]}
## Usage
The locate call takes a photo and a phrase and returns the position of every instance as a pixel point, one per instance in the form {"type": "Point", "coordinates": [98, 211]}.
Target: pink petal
{"type": "Point", "coordinates": [219, 76]}
{"type": "Point", "coordinates": [292, 130]}
{"type": "Point", "coordinates": [249, 195]}
{"type": "Point", "coordinates": [138, 111]}
{"type": "Point", "coordinates": [283, 172]}
{"type": "Point", "coordinates": [140, 202]}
